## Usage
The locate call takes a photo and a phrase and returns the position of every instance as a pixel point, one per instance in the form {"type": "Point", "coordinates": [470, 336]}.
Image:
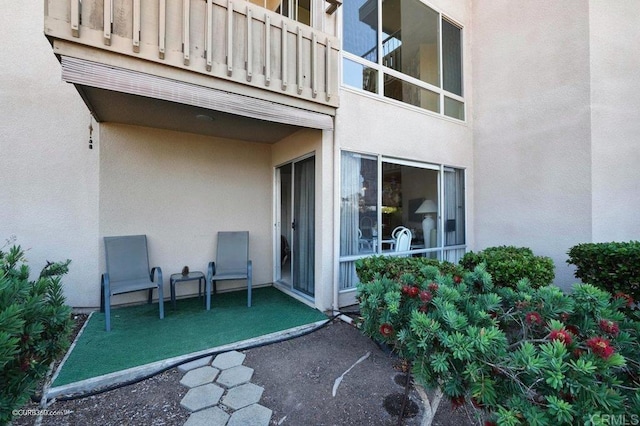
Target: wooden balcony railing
{"type": "Point", "coordinates": [232, 40]}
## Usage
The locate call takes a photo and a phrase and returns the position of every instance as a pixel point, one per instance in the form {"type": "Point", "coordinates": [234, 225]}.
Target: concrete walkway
{"type": "Point", "coordinates": [220, 392]}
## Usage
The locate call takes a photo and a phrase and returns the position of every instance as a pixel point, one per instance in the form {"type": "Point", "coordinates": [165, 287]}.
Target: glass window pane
{"type": "Point", "coordinates": [451, 58]}
{"type": "Point", "coordinates": [303, 11]}
{"type": "Point", "coordinates": [409, 199]}
{"type": "Point", "coordinates": [453, 216]}
{"type": "Point", "coordinates": [453, 108]}
{"type": "Point", "coordinates": [360, 24]}
{"type": "Point", "coordinates": [358, 204]}
{"type": "Point", "coordinates": [348, 276]}
{"type": "Point", "coordinates": [411, 94]}
{"type": "Point", "coordinates": [410, 39]}
{"type": "Point", "coordinates": [359, 76]}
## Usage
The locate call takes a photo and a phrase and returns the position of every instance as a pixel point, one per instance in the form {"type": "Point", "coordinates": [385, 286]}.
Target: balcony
{"type": "Point", "coordinates": [230, 56]}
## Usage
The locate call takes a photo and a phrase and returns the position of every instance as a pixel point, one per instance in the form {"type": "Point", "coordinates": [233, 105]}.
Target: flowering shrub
{"type": "Point", "coordinates": [522, 355]}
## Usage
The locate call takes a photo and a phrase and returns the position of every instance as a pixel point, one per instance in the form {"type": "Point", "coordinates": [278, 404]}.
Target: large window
{"type": "Point", "coordinates": [380, 197]}
{"type": "Point", "coordinates": [404, 50]}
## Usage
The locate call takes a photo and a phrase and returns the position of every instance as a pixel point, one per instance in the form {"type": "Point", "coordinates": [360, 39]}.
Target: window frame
{"type": "Point", "coordinates": [442, 250]}
{"type": "Point", "coordinates": [382, 70]}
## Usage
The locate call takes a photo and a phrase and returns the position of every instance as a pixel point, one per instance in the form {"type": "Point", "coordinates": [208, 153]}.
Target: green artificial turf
{"type": "Point", "coordinates": [139, 337]}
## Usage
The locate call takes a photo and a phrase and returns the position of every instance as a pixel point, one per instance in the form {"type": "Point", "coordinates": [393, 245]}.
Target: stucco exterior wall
{"type": "Point", "coordinates": [532, 129]}
{"type": "Point", "coordinates": [49, 193]}
{"type": "Point", "coordinates": [181, 189]}
{"type": "Point", "coordinates": [615, 128]}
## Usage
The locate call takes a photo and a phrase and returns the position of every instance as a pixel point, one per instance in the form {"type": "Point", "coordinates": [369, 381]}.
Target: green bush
{"type": "Point", "coordinates": [369, 268]}
{"type": "Point", "coordinates": [508, 265]}
{"type": "Point", "coordinates": [614, 267]}
{"type": "Point", "coordinates": [35, 325]}
{"type": "Point", "coordinates": [522, 355]}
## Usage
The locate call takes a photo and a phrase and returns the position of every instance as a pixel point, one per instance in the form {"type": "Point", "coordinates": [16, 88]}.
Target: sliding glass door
{"type": "Point", "coordinates": [296, 225]}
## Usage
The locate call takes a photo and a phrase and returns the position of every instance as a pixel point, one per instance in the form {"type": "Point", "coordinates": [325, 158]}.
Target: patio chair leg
{"type": "Point", "coordinates": [207, 290]}
{"type": "Point", "coordinates": [107, 309]}
{"type": "Point", "coordinates": [161, 300]}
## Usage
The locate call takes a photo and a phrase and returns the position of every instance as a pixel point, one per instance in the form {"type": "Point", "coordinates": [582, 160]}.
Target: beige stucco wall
{"type": "Point", "coordinates": [180, 189]}
{"type": "Point", "coordinates": [532, 129]}
{"type": "Point", "coordinates": [49, 193]}
{"type": "Point", "coordinates": [615, 127]}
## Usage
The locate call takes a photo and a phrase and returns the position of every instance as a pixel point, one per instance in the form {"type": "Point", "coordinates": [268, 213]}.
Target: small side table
{"type": "Point", "coordinates": [192, 276]}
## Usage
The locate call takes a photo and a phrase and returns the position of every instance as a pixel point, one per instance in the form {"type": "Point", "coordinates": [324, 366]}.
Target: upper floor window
{"type": "Point", "coordinates": [403, 49]}
{"type": "Point", "coordinates": [298, 10]}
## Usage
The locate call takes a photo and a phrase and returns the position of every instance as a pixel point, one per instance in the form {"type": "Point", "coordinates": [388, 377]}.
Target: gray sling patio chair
{"type": "Point", "coordinates": [128, 270]}
{"type": "Point", "coordinates": [232, 263]}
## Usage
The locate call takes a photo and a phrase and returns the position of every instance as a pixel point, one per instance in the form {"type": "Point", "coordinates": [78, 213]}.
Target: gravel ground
{"type": "Point", "coordinates": [299, 378]}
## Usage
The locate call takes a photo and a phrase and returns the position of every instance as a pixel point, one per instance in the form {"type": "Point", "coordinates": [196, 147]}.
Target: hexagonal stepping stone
{"type": "Point", "coordinates": [213, 416]}
{"type": "Point", "coordinates": [235, 376]}
{"type": "Point", "coordinates": [228, 360]}
{"type": "Point", "coordinates": [199, 376]}
{"type": "Point", "coordinates": [253, 415]}
{"type": "Point", "coordinates": [202, 397]}
{"type": "Point", "coordinates": [183, 368]}
{"type": "Point", "coordinates": [242, 396]}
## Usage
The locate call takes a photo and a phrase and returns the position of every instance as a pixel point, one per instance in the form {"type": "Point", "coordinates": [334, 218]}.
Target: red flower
{"type": "Point", "coordinates": [489, 423]}
{"type": "Point", "coordinates": [426, 296]}
{"type": "Point", "coordinates": [609, 327]}
{"type": "Point", "coordinates": [457, 279]}
{"type": "Point", "coordinates": [433, 287]}
{"type": "Point", "coordinates": [533, 318]}
{"type": "Point", "coordinates": [413, 291]}
{"type": "Point", "coordinates": [577, 352]}
{"type": "Point", "coordinates": [386, 329]}
{"type": "Point", "coordinates": [423, 308]}
{"type": "Point", "coordinates": [564, 317]}
{"type": "Point", "coordinates": [600, 347]}
{"type": "Point", "coordinates": [405, 289]}
{"type": "Point", "coordinates": [625, 296]}
{"type": "Point", "coordinates": [561, 335]}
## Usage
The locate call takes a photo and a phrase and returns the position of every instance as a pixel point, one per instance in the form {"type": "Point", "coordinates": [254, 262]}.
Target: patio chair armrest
{"type": "Point", "coordinates": [211, 271]}
{"type": "Point", "coordinates": [159, 274]}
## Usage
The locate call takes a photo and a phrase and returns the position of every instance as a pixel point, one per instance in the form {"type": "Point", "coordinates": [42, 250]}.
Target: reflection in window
{"type": "Point", "coordinates": [359, 76]}
{"type": "Point", "coordinates": [406, 92]}
{"type": "Point", "coordinates": [410, 39]}
{"type": "Point", "coordinates": [360, 23]}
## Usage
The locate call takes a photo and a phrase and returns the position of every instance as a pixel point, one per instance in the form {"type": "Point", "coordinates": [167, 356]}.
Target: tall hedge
{"type": "Point", "coordinates": [614, 266]}
{"type": "Point", "coordinates": [508, 265]}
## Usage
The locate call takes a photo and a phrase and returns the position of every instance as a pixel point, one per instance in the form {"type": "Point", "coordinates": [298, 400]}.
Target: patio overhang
{"type": "Point", "coordinates": [122, 95]}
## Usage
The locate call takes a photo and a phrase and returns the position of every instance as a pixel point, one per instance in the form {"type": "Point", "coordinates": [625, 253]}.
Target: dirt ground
{"type": "Point", "coordinates": [299, 379]}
